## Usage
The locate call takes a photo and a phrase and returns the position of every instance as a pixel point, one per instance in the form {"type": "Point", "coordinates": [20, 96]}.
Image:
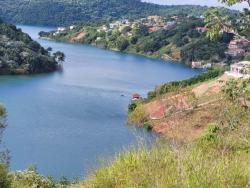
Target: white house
{"type": "Point", "coordinates": [72, 27]}
{"type": "Point", "coordinates": [61, 29]}
{"type": "Point", "coordinates": [239, 70]}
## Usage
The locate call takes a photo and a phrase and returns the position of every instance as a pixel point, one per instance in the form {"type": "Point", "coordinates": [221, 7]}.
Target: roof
{"type": "Point", "coordinates": [244, 63]}
{"type": "Point", "coordinates": [136, 95]}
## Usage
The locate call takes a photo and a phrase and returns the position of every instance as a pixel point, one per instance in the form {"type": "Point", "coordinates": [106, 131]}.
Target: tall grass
{"type": "Point", "coordinates": [219, 158]}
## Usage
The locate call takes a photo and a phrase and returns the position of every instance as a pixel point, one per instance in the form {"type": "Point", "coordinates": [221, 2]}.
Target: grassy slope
{"type": "Point", "coordinates": [217, 157]}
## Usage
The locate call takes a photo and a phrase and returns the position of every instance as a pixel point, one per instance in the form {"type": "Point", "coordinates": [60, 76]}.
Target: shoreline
{"type": "Point", "coordinates": [115, 50]}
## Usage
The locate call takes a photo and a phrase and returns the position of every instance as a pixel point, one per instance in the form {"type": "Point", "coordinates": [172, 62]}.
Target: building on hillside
{"type": "Point", "coordinates": [235, 52]}
{"type": "Point", "coordinates": [72, 27]}
{"type": "Point", "coordinates": [136, 96]}
{"type": "Point", "coordinates": [156, 18]}
{"type": "Point", "coordinates": [61, 29]}
{"type": "Point", "coordinates": [200, 65]}
{"type": "Point", "coordinates": [201, 29]}
{"type": "Point", "coordinates": [196, 64]}
{"type": "Point", "coordinates": [175, 18]}
{"type": "Point", "coordinates": [237, 47]}
{"type": "Point", "coordinates": [105, 28]}
{"type": "Point", "coordinates": [154, 28]}
{"type": "Point", "coordinates": [240, 69]}
{"type": "Point", "coordinates": [170, 25]}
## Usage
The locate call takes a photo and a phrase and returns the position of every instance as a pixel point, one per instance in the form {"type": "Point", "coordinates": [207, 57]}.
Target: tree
{"type": "Point", "coordinates": [122, 43]}
{"type": "Point", "coordinates": [233, 2]}
{"type": "Point", "coordinates": [141, 30]}
{"type": "Point", "coordinates": [59, 56]}
{"type": "Point", "coordinates": [231, 90]}
{"type": "Point", "coordinates": [217, 21]}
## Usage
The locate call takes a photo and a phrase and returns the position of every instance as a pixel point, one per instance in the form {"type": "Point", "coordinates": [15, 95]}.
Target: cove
{"type": "Point", "coordinates": [66, 122]}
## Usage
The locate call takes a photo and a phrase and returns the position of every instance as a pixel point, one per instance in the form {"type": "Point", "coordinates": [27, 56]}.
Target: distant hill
{"type": "Point", "coordinates": [19, 54]}
{"type": "Point", "coordinates": [67, 12]}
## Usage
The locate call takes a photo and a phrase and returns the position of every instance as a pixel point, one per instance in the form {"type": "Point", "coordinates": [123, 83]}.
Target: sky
{"type": "Point", "coordinates": [195, 2]}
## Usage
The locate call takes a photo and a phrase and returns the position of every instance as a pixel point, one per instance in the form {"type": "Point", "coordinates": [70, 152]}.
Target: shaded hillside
{"type": "Point", "coordinates": [66, 12]}
{"type": "Point", "coordinates": [19, 54]}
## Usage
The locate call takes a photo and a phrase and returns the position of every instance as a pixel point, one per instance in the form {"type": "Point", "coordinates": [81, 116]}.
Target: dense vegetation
{"type": "Point", "coordinates": [67, 12]}
{"type": "Point", "coordinates": [177, 85]}
{"type": "Point", "coordinates": [19, 54]}
{"type": "Point", "coordinates": [183, 42]}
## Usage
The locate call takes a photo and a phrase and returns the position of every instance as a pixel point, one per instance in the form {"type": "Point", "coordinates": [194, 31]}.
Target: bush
{"type": "Point", "coordinates": [132, 107]}
{"type": "Point", "coordinates": [4, 178]}
{"type": "Point", "coordinates": [122, 43]}
{"type": "Point", "coordinates": [176, 85]}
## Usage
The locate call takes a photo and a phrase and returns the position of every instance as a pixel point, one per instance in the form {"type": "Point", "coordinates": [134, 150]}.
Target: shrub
{"type": "Point", "coordinates": [4, 178]}
{"type": "Point", "coordinates": [176, 85]}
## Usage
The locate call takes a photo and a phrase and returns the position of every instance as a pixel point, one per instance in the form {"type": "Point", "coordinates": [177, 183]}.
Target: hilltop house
{"type": "Point", "coordinates": [61, 29]}
{"type": "Point", "coordinates": [237, 47]}
{"type": "Point", "coordinates": [201, 29]}
{"type": "Point", "coordinates": [72, 27]}
{"type": "Point", "coordinates": [200, 65]}
{"type": "Point", "coordinates": [136, 96]}
{"type": "Point", "coordinates": [240, 69]}
{"type": "Point", "coordinates": [170, 25]}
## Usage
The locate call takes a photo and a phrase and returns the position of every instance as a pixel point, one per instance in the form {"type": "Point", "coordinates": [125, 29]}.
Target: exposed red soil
{"type": "Point", "coordinates": [78, 36]}
{"type": "Point", "coordinates": [180, 115]}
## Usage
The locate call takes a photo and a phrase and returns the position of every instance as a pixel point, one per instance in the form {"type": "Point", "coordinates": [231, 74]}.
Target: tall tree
{"type": "Point", "coordinates": [217, 21]}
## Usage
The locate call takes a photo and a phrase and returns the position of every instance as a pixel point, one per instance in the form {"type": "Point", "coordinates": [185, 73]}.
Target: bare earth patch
{"type": "Point", "coordinates": [186, 114]}
{"type": "Point", "coordinates": [78, 36]}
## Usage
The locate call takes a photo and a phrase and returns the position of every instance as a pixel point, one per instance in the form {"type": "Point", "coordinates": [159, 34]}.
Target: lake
{"type": "Point", "coordinates": [67, 122]}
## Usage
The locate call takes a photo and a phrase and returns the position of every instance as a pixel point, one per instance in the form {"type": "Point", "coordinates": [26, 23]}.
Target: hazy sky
{"type": "Point", "coordinates": [193, 2]}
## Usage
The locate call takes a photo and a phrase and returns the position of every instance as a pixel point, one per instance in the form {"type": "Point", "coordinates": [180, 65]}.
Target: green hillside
{"type": "Point", "coordinates": [19, 54]}
{"type": "Point", "coordinates": [66, 12]}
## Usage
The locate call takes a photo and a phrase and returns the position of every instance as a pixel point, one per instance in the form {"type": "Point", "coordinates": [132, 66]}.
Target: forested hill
{"type": "Point", "coordinates": [19, 54]}
{"type": "Point", "coordinates": [67, 12]}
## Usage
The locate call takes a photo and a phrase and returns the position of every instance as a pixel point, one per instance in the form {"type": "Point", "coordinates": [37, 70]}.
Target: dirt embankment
{"type": "Point", "coordinates": [185, 114]}
{"type": "Point", "coordinates": [78, 36]}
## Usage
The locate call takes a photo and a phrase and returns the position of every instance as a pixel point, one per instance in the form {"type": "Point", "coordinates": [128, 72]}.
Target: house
{"type": "Point", "coordinates": [98, 38]}
{"type": "Point", "coordinates": [130, 34]}
{"type": "Point", "coordinates": [201, 65]}
{"type": "Point", "coordinates": [155, 18]}
{"type": "Point", "coordinates": [201, 29]}
{"type": "Point", "coordinates": [61, 29]}
{"type": "Point", "coordinates": [154, 28]}
{"type": "Point", "coordinates": [170, 25]}
{"type": "Point", "coordinates": [196, 64]}
{"type": "Point", "coordinates": [105, 28]}
{"type": "Point", "coordinates": [237, 47]}
{"type": "Point", "coordinates": [112, 25]}
{"type": "Point", "coordinates": [240, 69]}
{"type": "Point", "coordinates": [72, 27]}
{"type": "Point", "coordinates": [235, 52]}
{"type": "Point", "coordinates": [136, 96]}
{"type": "Point", "coordinates": [174, 17]}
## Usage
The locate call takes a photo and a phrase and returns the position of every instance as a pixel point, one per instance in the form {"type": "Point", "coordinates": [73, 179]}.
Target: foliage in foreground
{"type": "Point", "coordinates": [219, 158]}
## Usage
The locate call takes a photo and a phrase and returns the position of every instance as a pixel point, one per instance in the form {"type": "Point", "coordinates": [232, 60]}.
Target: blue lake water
{"type": "Point", "coordinates": [66, 122]}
